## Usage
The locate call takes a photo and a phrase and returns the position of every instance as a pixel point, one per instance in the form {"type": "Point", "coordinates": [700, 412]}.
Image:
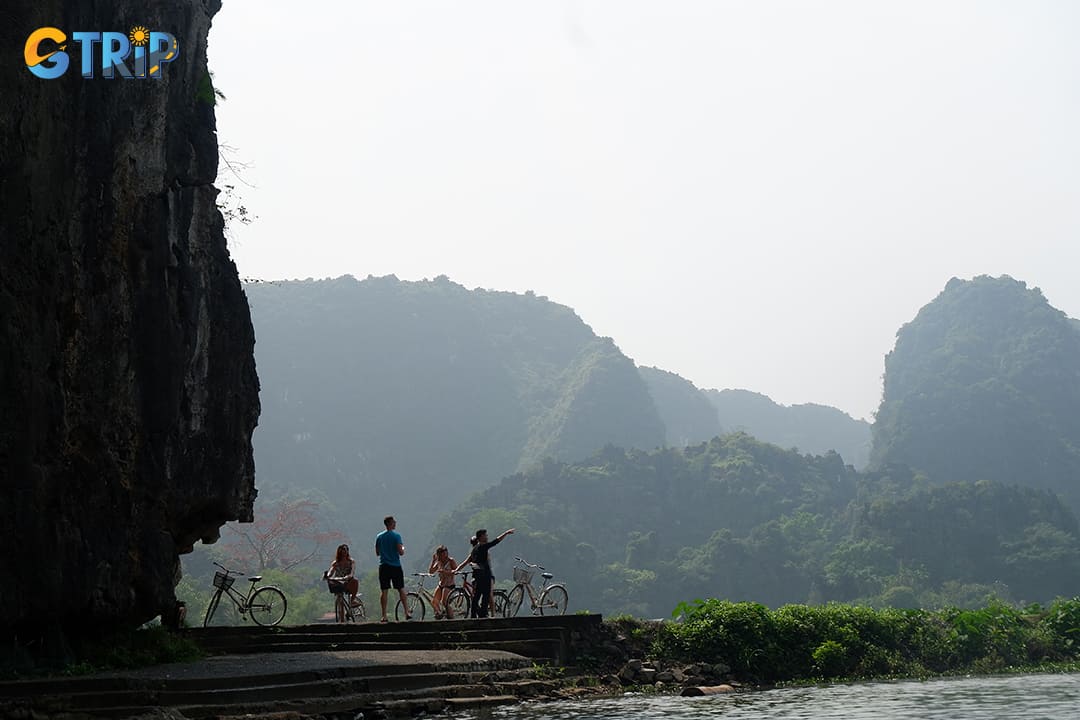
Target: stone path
{"type": "Point", "coordinates": [320, 671]}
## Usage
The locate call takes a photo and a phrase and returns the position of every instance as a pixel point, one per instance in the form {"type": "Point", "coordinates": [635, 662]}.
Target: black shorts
{"type": "Point", "coordinates": [391, 575]}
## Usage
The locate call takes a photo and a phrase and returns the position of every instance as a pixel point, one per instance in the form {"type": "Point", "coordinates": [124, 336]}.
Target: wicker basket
{"type": "Point", "coordinates": [523, 576]}
{"type": "Point", "coordinates": [223, 581]}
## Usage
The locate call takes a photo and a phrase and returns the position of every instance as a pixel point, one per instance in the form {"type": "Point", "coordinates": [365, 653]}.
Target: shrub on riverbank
{"type": "Point", "coordinates": [799, 642]}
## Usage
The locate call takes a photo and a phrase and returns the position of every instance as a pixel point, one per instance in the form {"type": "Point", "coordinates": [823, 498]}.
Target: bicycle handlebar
{"type": "Point", "coordinates": [238, 573]}
{"type": "Point", "coordinates": [524, 562]}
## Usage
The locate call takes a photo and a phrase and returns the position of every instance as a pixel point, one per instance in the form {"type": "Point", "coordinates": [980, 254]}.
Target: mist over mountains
{"type": "Point", "coordinates": [455, 408]}
{"type": "Point", "coordinates": [691, 415]}
{"type": "Point", "coordinates": [373, 387]}
{"type": "Point", "coordinates": [404, 397]}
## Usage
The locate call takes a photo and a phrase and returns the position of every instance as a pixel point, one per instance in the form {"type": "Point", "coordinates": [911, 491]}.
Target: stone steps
{"type": "Point", "coordinates": [321, 698]}
{"type": "Point", "coordinates": [351, 690]}
{"type": "Point", "coordinates": [239, 692]}
{"type": "Point", "coordinates": [545, 637]}
{"type": "Point", "coordinates": [402, 701]}
{"type": "Point", "coordinates": [313, 670]}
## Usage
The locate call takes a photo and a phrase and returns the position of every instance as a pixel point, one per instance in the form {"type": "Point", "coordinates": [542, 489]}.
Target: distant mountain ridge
{"type": "Point", "coordinates": [810, 427]}
{"type": "Point", "coordinates": [375, 387]}
{"type": "Point", "coordinates": [402, 397]}
{"type": "Point", "coordinates": [688, 416]}
{"type": "Point", "coordinates": [692, 415]}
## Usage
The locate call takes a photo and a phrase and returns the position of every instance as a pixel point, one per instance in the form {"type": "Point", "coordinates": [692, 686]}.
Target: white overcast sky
{"type": "Point", "coordinates": [751, 194]}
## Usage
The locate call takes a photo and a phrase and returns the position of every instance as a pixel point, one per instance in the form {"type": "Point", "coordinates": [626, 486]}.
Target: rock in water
{"type": "Point", "coordinates": [128, 392]}
{"type": "Point", "coordinates": [699, 690]}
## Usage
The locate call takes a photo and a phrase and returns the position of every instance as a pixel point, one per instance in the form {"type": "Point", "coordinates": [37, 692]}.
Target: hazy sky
{"type": "Point", "coordinates": [751, 194]}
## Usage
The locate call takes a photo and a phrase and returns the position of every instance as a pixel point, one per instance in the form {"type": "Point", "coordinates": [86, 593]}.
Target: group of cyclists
{"type": "Point", "coordinates": [389, 548]}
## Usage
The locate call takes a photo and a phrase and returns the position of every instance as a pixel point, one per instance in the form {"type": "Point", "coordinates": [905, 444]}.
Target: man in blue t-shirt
{"type": "Point", "coordinates": [389, 549]}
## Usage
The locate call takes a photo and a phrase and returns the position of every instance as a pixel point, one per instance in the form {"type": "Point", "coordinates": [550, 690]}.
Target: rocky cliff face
{"type": "Point", "coordinates": [128, 392]}
{"type": "Point", "coordinates": [984, 384]}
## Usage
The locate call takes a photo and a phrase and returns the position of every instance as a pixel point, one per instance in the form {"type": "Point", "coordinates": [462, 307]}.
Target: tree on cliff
{"type": "Point", "coordinates": [284, 535]}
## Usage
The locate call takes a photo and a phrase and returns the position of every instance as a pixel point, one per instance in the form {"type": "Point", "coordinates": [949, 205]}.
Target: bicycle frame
{"type": "Point", "coordinates": [423, 592]}
{"type": "Point", "coordinates": [499, 596]}
{"type": "Point", "coordinates": [534, 595]}
{"type": "Point", "coordinates": [349, 612]}
{"type": "Point", "coordinates": [423, 597]}
{"type": "Point", "coordinates": [242, 602]}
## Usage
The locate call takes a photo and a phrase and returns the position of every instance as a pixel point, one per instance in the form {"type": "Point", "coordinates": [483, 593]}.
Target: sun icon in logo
{"type": "Point", "coordinates": [139, 36]}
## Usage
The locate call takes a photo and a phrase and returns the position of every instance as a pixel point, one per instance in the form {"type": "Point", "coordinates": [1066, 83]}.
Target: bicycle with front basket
{"type": "Point", "coordinates": [266, 605]}
{"type": "Point", "coordinates": [550, 599]}
{"type": "Point", "coordinates": [345, 610]}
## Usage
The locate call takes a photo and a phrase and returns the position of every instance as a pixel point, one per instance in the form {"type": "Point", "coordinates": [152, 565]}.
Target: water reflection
{"type": "Point", "coordinates": [1015, 697]}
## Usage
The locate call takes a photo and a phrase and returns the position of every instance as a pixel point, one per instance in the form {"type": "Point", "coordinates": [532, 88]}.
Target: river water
{"type": "Point", "coordinates": [1013, 697]}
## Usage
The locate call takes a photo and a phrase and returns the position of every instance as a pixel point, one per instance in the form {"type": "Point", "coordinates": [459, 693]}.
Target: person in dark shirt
{"type": "Point", "coordinates": [482, 576]}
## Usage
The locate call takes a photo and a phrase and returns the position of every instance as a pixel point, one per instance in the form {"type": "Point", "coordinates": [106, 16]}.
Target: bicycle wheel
{"type": "Point", "coordinates": [513, 601]}
{"type": "Point", "coordinates": [553, 600]}
{"type": "Point", "coordinates": [341, 609]}
{"type": "Point", "coordinates": [267, 606]}
{"type": "Point", "coordinates": [457, 602]}
{"type": "Point", "coordinates": [502, 604]}
{"type": "Point", "coordinates": [416, 608]}
{"type": "Point", "coordinates": [211, 608]}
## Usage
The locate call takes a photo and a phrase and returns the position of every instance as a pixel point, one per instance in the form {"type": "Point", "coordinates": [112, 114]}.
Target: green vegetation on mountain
{"type": "Point", "coordinates": [904, 533]}
{"type": "Point", "coordinates": [739, 519]}
{"type": "Point", "coordinates": [984, 384]}
{"type": "Point", "coordinates": [687, 414]}
{"type": "Point", "coordinates": [497, 410]}
{"type": "Point", "coordinates": [401, 397]}
{"type": "Point", "coordinates": [810, 428]}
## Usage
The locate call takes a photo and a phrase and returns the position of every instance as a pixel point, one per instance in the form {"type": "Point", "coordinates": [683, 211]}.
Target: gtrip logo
{"type": "Point", "coordinates": [46, 53]}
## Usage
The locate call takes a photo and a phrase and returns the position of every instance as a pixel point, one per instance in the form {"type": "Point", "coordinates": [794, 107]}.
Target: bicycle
{"type": "Point", "coordinates": [267, 605]}
{"type": "Point", "coordinates": [460, 598]}
{"type": "Point", "coordinates": [345, 611]}
{"type": "Point", "coordinates": [549, 600]}
{"type": "Point", "coordinates": [415, 600]}
{"type": "Point", "coordinates": [421, 597]}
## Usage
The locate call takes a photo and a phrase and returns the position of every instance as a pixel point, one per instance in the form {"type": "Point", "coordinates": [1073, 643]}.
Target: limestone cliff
{"type": "Point", "coordinates": [128, 392]}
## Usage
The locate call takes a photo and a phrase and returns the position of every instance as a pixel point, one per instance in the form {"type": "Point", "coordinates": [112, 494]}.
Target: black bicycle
{"type": "Point", "coordinates": [266, 605]}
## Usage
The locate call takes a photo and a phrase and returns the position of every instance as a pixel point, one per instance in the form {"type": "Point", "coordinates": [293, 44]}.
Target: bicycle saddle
{"type": "Point", "coordinates": [255, 578]}
{"type": "Point", "coordinates": [546, 576]}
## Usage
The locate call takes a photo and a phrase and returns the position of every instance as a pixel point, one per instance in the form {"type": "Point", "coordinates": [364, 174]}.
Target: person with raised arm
{"type": "Point", "coordinates": [483, 578]}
